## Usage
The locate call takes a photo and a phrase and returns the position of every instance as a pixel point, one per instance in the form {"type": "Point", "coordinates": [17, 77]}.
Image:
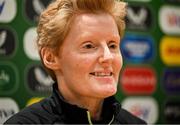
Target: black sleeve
{"type": "Point", "coordinates": [20, 119]}
{"type": "Point", "coordinates": [38, 113]}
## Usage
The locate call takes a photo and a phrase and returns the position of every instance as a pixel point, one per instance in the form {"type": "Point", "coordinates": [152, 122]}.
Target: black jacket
{"type": "Point", "coordinates": [54, 110]}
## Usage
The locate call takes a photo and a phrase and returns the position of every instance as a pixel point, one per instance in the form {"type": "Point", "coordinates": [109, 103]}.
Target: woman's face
{"type": "Point", "coordinates": [90, 58]}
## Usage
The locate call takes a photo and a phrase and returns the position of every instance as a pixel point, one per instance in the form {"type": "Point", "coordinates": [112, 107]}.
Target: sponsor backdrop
{"type": "Point", "coordinates": [149, 83]}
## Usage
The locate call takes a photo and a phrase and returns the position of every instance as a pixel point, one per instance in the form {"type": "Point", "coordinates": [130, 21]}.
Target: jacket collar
{"type": "Point", "coordinates": [74, 114]}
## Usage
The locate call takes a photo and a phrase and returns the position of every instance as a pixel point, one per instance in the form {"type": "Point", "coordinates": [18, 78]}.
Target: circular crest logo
{"type": "Point", "coordinates": [7, 42]}
{"type": "Point", "coordinates": [33, 8]}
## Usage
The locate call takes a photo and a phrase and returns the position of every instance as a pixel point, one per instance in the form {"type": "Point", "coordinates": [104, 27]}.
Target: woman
{"type": "Point", "coordinates": [78, 42]}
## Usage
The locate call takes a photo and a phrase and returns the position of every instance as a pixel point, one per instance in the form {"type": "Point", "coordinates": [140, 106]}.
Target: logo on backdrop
{"type": "Point", "coordinates": [8, 78]}
{"type": "Point", "coordinates": [33, 8]}
{"type": "Point", "coordinates": [171, 80]}
{"type": "Point", "coordinates": [139, 17]}
{"type": "Point", "coordinates": [143, 107]}
{"type": "Point", "coordinates": [7, 42]}
{"type": "Point", "coordinates": [8, 10]}
{"type": "Point", "coordinates": [172, 111]}
{"type": "Point", "coordinates": [170, 50]}
{"type": "Point", "coordinates": [137, 48]}
{"type": "Point", "coordinates": [29, 45]}
{"type": "Point", "coordinates": [8, 107]}
{"type": "Point", "coordinates": [38, 80]}
{"type": "Point", "coordinates": [138, 80]}
{"type": "Point", "coordinates": [169, 19]}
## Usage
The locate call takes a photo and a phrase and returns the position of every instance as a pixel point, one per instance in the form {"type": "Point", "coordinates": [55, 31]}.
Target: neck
{"type": "Point", "coordinates": [95, 109]}
{"type": "Point", "coordinates": [93, 105]}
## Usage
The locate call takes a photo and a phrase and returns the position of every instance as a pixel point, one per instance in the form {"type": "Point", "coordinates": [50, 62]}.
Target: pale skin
{"type": "Point", "coordinates": [89, 61]}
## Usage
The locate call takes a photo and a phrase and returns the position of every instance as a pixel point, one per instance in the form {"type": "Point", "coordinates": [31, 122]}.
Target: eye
{"type": "Point", "coordinates": [88, 46]}
{"type": "Point", "coordinates": [113, 45]}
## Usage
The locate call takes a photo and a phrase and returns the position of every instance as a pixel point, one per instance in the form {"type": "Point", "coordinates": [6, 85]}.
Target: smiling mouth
{"type": "Point", "coordinates": [101, 74]}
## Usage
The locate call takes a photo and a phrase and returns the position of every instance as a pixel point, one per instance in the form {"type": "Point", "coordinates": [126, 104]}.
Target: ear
{"type": "Point", "coordinates": [49, 59]}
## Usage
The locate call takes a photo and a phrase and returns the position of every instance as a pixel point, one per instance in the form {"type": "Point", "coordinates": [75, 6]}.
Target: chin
{"type": "Point", "coordinates": [109, 92]}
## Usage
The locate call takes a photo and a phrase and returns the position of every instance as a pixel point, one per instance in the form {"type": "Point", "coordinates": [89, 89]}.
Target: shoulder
{"type": "Point", "coordinates": [40, 112]}
{"type": "Point", "coordinates": [126, 117]}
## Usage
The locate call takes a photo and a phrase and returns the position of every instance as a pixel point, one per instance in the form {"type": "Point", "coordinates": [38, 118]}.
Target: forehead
{"type": "Point", "coordinates": [101, 22]}
{"type": "Point", "coordinates": [91, 19]}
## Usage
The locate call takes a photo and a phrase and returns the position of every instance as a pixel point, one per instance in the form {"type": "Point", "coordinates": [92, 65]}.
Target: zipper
{"type": "Point", "coordinates": [90, 122]}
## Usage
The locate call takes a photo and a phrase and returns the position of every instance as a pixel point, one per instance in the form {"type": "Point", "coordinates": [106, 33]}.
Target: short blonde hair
{"type": "Point", "coordinates": [55, 21]}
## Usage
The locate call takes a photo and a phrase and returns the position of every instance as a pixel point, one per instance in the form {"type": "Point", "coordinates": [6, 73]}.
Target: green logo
{"type": "Point", "coordinates": [8, 78]}
{"type": "Point", "coordinates": [4, 78]}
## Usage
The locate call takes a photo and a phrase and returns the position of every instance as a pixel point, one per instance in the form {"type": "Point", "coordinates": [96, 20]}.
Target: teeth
{"type": "Point", "coordinates": [102, 74]}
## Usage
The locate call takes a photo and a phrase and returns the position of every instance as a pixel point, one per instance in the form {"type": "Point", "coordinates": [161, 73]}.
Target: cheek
{"type": "Point", "coordinates": [79, 68]}
{"type": "Point", "coordinates": [81, 64]}
{"type": "Point", "coordinates": [84, 64]}
{"type": "Point", "coordinates": [118, 62]}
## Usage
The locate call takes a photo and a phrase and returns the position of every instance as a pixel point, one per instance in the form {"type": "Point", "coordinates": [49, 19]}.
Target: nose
{"type": "Point", "coordinates": [106, 56]}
